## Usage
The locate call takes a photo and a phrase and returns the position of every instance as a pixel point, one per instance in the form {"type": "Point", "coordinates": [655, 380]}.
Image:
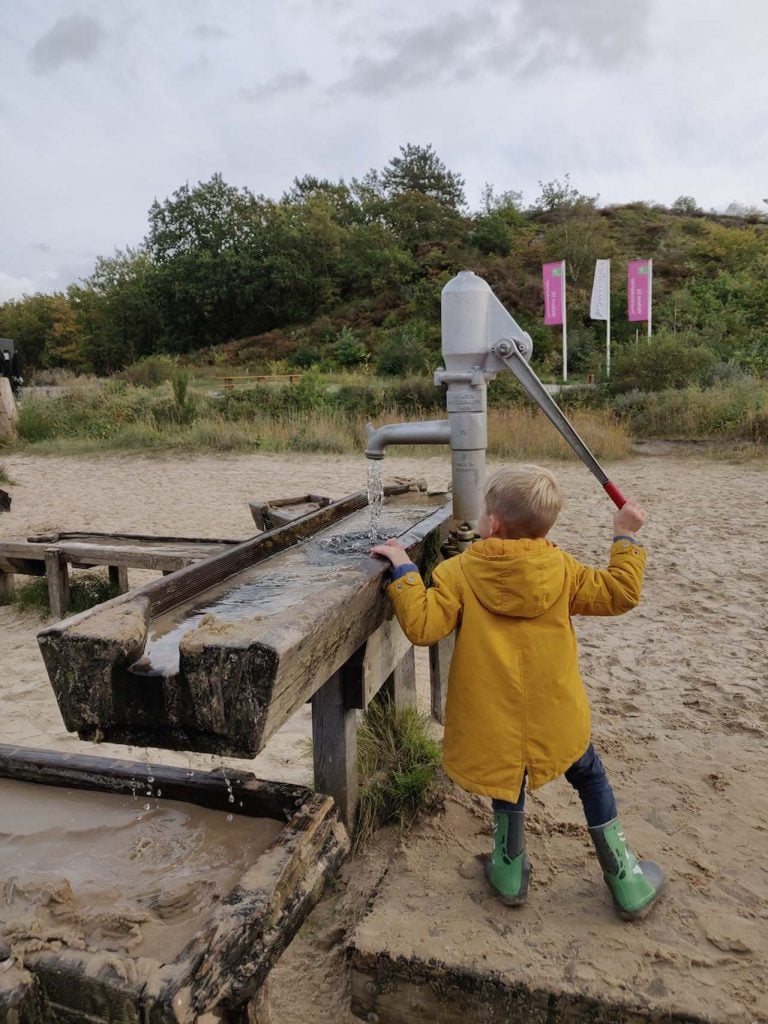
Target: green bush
{"type": "Point", "coordinates": [659, 363]}
{"type": "Point", "coordinates": [405, 351]}
{"type": "Point", "coordinates": [150, 372]}
{"type": "Point", "coordinates": [734, 412]}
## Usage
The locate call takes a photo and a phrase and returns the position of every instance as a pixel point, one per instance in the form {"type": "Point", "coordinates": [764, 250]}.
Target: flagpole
{"type": "Point", "coordinates": [608, 344]}
{"type": "Point", "coordinates": [565, 328]}
{"type": "Point", "coordinates": [650, 294]}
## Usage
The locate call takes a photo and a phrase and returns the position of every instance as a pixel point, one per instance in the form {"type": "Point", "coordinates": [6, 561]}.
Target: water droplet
{"type": "Point", "coordinates": [230, 817]}
{"type": "Point", "coordinates": [231, 798]}
{"type": "Point", "coordinates": [159, 792]}
{"type": "Point", "coordinates": [147, 807]}
{"type": "Point", "coordinates": [150, 778]}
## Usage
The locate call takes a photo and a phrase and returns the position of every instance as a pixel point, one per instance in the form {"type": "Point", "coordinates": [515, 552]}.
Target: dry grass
{"type": "Point", "coordinates": [524, 433]}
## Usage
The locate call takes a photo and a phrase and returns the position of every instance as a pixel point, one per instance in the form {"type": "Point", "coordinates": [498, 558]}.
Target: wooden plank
{"type": "Point", "coordinates": [57, 573]}
{"type": "Point", "coordinates": [401, 684]}
{"type": "Point", "coordinates": [94, 537]}
{"type": "Point", "coordinates": [334, 747]}
{"type": "Point", "coordinates": [22, 549]}
{"type": "Point", "coordinates": [440, 655]}
{"type": "Point", "coordinates": [134, 557]}
{"type": "Point", "coordinates": [382, 653]}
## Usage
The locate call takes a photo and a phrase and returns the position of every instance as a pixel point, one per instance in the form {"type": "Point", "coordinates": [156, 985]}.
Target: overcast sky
{"type": "Point", "coordinates": [106, 105]}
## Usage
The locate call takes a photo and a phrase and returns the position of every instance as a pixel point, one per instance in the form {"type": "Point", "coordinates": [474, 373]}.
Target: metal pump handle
{"type": "Point", "coordinates": [512, 354]}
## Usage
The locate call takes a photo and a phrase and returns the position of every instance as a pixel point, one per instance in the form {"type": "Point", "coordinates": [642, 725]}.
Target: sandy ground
{"type": "Point", "coordinates": [678, 696]}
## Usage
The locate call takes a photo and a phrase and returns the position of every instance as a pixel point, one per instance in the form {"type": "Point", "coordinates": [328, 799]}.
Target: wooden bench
{"type": "Point", "coordinates": [52, 554]}
{"type": "Point", "coordinates": [262, 378]}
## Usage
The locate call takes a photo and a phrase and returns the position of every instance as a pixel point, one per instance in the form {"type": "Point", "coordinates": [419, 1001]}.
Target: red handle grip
{"type": "Point", "coordinates": [614, 494]}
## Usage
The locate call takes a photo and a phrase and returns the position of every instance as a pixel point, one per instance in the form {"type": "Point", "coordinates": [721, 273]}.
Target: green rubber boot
{"type": "Point", "coordinates": [508, 868]}
{"type": "Point", "coordinates": [635, 885]}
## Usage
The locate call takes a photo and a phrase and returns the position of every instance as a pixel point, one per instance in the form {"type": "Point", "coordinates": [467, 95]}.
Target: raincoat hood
{"type": "Point", "coordinates": [517, 578]}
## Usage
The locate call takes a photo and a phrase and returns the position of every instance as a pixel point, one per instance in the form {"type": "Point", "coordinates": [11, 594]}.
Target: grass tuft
{"type": "Point", "coordinates": [398, 762]}
{"type": "Point", "coordinates": [85, 591]}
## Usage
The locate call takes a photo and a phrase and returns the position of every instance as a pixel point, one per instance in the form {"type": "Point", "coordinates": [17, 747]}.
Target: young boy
{"type": "Point", "coordinates": [516, 704]}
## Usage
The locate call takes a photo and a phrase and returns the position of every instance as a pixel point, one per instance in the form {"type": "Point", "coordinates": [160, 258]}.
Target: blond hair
{"type": "Point", "coordinates": [525, 499]}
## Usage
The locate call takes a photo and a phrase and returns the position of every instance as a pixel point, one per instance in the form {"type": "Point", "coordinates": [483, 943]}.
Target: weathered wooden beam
{"type": "Point", "coordinates": [334, 747]}
{"type": "Point", "coordinates": [238, 682]}
{"type": "Point", "coordinates": [256, 798]}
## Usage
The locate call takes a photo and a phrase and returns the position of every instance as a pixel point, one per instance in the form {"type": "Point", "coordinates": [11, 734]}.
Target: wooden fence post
{"type": "Point", "coordinates": [118, 575]}
{"type": "Point", "coordinates": [334, 747]}
{"type": "Point", "coordinates": [7, 586]}
{"type": "Point", "coordinates": [57, 574]}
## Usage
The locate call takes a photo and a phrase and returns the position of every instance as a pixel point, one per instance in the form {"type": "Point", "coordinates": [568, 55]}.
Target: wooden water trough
{"type": "Point", "coordinates": [223, 968]}
{"type": "Point", "coordinates": [138, 671]}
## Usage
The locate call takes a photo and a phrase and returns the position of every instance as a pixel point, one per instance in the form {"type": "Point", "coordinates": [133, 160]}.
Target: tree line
{"type": "Point", "coordinates": [340, 273]}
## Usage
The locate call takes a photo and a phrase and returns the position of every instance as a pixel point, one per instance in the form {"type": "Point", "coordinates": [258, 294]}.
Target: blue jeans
{"type": "Point", "coordinates": [588, 778]}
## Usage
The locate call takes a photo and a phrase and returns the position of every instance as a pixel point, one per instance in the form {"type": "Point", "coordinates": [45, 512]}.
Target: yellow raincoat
{"type": "Point", "coordinates": [516, 700]}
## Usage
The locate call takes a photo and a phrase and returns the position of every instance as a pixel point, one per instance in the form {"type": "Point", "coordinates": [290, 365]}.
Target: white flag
{"type": "Point", "coordinates": [600, 306]}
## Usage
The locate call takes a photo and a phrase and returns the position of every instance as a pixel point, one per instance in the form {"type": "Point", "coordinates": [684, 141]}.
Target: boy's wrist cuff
{"type": "Point", "coordinates": [625, 536]}
{"type": "Point", "coordinates": [402, 570]}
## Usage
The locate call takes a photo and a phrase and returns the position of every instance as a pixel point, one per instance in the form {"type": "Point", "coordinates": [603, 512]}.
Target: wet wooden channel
{"type": "Point", "coordinates": [216, 657]}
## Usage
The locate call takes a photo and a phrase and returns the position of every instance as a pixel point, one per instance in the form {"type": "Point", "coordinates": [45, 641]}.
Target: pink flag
{"type": "Point", "coordinates": [639, 279]}
{"type": "Point", "coordinates": [554, 292]}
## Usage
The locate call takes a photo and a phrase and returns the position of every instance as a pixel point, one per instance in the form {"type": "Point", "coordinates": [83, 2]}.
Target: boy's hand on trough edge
{"type": "Point", "coordinates": [393, 550]}
{"type": "Point", "coordinates": [629, 518]}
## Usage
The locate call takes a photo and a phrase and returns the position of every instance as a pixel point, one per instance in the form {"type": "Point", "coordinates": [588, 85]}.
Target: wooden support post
{"type": "Point", "coordinates": [7, 587]}
{"type": "Point", "coordinates": [57, 573]}
{"type": "Point", "coordinates": [334, 746]}
{"type": "Point", "coordinates": [401, 684]}
{"type": "Point", "coordinates": [440, 655]}
{"type": "Point", "coordinates": [118, 574]}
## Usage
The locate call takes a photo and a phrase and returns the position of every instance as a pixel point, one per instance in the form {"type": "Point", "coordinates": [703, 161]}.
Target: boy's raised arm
{"type": "Point", "coordinates": [426, 615]}
{"type": "Point", "coordinates": [617, 589]}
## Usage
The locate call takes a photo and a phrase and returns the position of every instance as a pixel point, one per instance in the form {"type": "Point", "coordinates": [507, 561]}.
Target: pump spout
{"type": "Point", "coordinates": [427, 432]}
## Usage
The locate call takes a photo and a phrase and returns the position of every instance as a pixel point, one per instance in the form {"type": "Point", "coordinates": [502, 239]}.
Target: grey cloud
{"type": "Point", "coordinates": [292, 81]}
{"type": "Point", "coordinates": [41, 247]}
{"type": "Point", "coordinates": [549, 34]}
{"type": "Point", "coordinates": [76, 38]}
{"type": "Point", "coordinates": [434, 53]}
{"type": "Point", "coordinates": [204, 31]}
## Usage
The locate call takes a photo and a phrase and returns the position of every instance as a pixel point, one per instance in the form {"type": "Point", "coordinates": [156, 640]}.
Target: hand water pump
{"type": "Point", "coordinates": [479, 339]}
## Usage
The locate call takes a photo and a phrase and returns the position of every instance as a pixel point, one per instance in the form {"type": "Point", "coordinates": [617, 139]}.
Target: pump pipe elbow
{"type": "Point", "coordinates": [427, 432]}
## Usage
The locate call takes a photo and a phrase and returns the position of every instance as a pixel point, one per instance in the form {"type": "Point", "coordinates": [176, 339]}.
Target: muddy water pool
{"type": "Point", "coordinates": [116, 873]}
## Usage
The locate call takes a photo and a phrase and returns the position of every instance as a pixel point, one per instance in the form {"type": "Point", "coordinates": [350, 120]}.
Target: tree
{"type": "Point", "coordinates": [212, 217]}
{"type": "Point", "coordinates": [562, 197]}
{"type": "Point", "coordinates": [419, 169]}
{"type": "Point", "coordinates": [685, 205]}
